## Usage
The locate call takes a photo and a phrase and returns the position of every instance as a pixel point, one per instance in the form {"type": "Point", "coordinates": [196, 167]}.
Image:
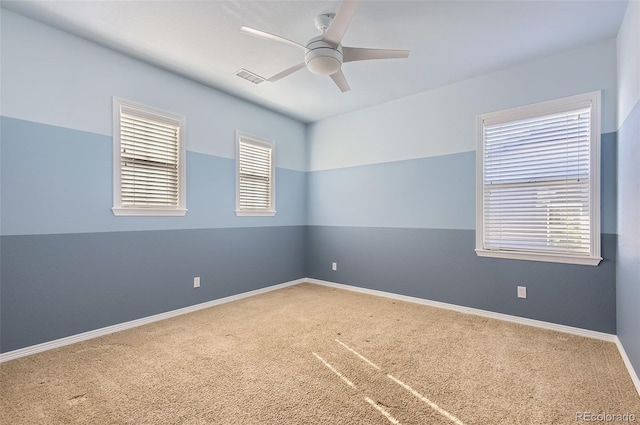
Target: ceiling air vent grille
{"type": "Point", "coordinates": [249, 76]}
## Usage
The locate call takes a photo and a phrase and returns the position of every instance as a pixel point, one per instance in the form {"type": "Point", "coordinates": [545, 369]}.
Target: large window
{"type": "Point", "coordinates": [255, 191]}
{"type": "Point", "coordinates": [539, 180]}
{"type": "Point", "coordinates": [149, 166]}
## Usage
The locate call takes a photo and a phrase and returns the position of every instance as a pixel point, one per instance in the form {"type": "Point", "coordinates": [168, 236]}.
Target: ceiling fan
{"type": "Point", "coordinates": [324, 55]}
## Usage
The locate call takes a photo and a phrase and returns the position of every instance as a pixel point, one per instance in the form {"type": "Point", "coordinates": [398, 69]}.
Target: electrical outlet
{"type": "Point", "coordinates": [196, 282]}
{"type": "Point", "coordinates": [522, 292]}
{"type": "Point", "coordinates": [334, 266]}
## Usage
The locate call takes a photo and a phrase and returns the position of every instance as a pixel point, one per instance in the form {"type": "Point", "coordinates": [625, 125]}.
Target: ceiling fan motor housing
{"type": "Point", "coordinates": [323, 58]}
{"type": "Point", "coordinates": [324, 54]}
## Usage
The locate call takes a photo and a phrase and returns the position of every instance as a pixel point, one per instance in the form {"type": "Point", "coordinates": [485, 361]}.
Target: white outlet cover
{"type": "Point", "coordinates": [334, 266]}
{"type": "Point", "coordinates": [196, 282]}
{"type": "Point", "coordinates": [522, 292]}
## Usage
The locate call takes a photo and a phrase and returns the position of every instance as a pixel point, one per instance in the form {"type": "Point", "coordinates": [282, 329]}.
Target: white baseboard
{"type": "Point", "coordinates": [506, 317]}
{"type": "Point", "coordinates": [49, 345]}
{"type": "Point", "coordinates": [22, 352]}
{"type": "Point", "coordinates": [468, 310]}
{"type": "Point", "coordinates": [627, 363]}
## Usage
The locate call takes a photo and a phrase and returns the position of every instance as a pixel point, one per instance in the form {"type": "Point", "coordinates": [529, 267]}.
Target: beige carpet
{"type": "Point", "coordinates": [309, 354]}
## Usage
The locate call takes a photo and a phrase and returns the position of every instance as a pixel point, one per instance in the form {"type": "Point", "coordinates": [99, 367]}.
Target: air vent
{"type": "Point", "coordinates": [249, 76]}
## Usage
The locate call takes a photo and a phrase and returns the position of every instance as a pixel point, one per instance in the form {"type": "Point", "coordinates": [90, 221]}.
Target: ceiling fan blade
{"type": "Point", "coordinates": [350, 54]}
{"type": "Point", "coordinates": [340, 80]}
{"type": "Point", "coordinates": [340, 22]}
{"type": "Point", "coordinates": [268, 36]}
{"type": "Point", "coordinates": [286, 72]}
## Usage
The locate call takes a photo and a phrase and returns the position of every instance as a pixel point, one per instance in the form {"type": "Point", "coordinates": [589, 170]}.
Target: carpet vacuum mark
{"type": "Point", "coordinates": [250, 362]}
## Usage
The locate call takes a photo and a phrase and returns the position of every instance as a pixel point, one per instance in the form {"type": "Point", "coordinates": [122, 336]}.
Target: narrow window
{"type": "Point", "coordinates": [255, 176]}
{"type": "Point", "coordinates": [539, 182]}
{"type": "Point", "coordinates": [149, 166]}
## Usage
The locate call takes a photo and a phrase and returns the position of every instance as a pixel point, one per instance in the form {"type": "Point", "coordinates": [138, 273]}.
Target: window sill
{"type": "Point", "coordinates": [549, 258]}
{"type": "Point", "coordinates": [257, 213]}
{"type": "Point", "coordinates": [150, 212]}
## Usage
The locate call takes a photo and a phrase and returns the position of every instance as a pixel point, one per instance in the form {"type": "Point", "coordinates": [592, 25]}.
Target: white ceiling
{"type": "Point", "coordinates": [449, 41]}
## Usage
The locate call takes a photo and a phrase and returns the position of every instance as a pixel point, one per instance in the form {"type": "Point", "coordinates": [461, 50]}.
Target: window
{"type": "Point", "coordinates": [149, 165]}
{"type": "Point", "coordinates": [538, 175]}
{"type": "Point", "coordinates": [255, 183]}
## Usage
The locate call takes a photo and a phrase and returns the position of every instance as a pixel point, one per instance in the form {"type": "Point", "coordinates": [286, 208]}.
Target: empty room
{"type": "Point", "coordinates": [319, 212]}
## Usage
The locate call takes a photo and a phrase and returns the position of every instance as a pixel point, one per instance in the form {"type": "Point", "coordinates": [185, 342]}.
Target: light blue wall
{"type": "Point", "coordinates": [67, 264]}
{"type": "Point", "coordinates": [387, 191]}
{"type": "Point", "coordinates": [72, 193]}
{"type": "Point", "coordinates": [443, 121]}
{"type": "Point", "coordinates": [55, 78]}
{"type": "Point", "coordinates": [421, 193]}
{"type": "Point", "coordinates": [435, 192]}
{"type": "Point", "coordinates": [628, 265]}
{"type": "Point", "coordinates": [57, 99]}
{"type": "Point", "coordinates": [392, 196]}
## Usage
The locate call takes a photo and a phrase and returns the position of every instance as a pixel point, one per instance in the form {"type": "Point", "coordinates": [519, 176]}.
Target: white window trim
{"type": "Point", "coordinates": [118, 209]}
{"type": "Point", "coordinates": [545, 108]}
{"type": "Point", "coordinates": [271, 211]}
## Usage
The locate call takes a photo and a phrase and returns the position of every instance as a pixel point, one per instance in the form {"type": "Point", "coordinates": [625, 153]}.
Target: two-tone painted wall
{"type": "Point", "coordinates": [68, 265]}
{"type": "Point", "coordinates": [628, 264]}
{"type": "Point", "coordinates": [392, 197]}
{"type": "Point", "coordinates": [387, 192]}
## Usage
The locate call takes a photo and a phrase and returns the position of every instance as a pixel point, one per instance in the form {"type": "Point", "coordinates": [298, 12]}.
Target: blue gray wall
{"type": "Point", "coordinates": [628, 266]}
{"type": "Point", "coordinates": [68, 265]}
{"type": "Point", "coordinates": [392, 197]}
{"type": "Point", "coordinates": [387, 192]}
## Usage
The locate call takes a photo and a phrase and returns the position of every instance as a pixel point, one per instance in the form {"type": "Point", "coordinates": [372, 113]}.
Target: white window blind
{"type": "Point", "coordinates": [149, 156]}
{"type": "Point", "coordinates": [149, 161]}
{"type": "Point", "coordinates": [538, 186]}
{"type": "Point", "coordinates": [255, 176]}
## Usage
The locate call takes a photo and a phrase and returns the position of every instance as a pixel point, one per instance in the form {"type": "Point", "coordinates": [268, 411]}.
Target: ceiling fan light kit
{"type": "Point", "coordinates": [325, 54]}
{"type": "Point", "coordinates": [322, 58]}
